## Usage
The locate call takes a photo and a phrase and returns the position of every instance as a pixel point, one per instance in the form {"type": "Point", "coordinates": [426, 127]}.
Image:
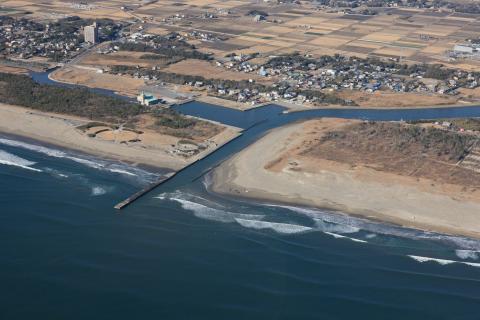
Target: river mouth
{"type": "Point", "coordinates": [257, 122]}
{"type": "Point", "coordinates": [182, 251]}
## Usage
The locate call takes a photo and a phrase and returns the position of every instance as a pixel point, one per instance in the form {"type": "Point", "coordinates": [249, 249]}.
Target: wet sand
{"type": "Point", "coordinates": [271, 170]}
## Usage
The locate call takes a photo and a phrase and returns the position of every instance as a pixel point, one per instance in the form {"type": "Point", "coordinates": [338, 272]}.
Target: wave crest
{"type": "Point", "coordinates": [206, 212]}
{"type": "Point", "coordinates": [95, 164]}
{"type": "Point", "coordinates": [442, 262]}
{"type": "Point", "coordinates": [9, 159]}
{"type": "Point", "coordinates": [275, 226]}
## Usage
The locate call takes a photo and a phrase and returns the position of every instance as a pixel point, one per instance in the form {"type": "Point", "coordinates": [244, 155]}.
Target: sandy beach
{"type": "Point", "coordinates": [273, 169]}
{"type": "Point", "coordinates": [154, 149]}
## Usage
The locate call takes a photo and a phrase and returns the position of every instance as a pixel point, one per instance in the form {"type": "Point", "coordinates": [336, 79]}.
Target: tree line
{"type": "Point", "coordinates": [24, 91]}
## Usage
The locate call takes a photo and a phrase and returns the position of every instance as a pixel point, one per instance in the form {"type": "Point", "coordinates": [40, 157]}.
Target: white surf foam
{"type": "Point", "coordinates": [32, 147]}
{"type": "Point", "coordinates": [335, 228]}
{"type": "Point", "coordinates": [327, 221]}
{"type": "Point", "coordinates": [207, 181]}
{"type": "Point", "coordinates": [421, 259]}
{"type": "Point", "coordinates": [339, 236]}
{"type": "Point", "coordinates": [9, 159]}
{"type": "Point", "coordinates": [378, 228]}
{"type": "Point", "coordinates": [275, 226]}
{"type": "Point", "coordinates": [56, 173]}
{"type": "Point", "coordinates": [443, 262]}
{"type": "Point", "coordinates": [122, 172]}
{"type": "Point", "coordinates": [98, 191]}
{"type": "Point", "coordinates": [95, 164]}
{"type": "Point", "coordinates": [204, 212]}
{"type": "Point", "coordinates": [467, 254]}
{"type": "Point", "coordinates": [207, 212]}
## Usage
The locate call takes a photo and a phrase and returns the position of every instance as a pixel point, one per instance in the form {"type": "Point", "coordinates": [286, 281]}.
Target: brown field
{"type": "Point", "coordinates": [382, 99]}
{"type": "Point", "coordinates": [395, 51]}
{"type": "Point", "coordinates": [124, 85]}
{"type": "Point", "coordinates": [7, 69]}
{"type": "Point", "coordinates": [119, 58]}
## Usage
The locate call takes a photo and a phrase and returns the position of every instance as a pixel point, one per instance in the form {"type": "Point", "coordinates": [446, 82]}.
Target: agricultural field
{"type": "Point", "coordinates": [408, 34]}
{"type": "Point", "coordinates": [215, 49]}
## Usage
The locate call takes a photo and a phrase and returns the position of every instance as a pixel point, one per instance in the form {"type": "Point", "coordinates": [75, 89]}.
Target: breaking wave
{"type": "Point", "coordinates": [206, 210]}
{"type": "Point", "coordinates": [443, 262]}
{"type": "Point", "coordinates": [467, 254]}
{"type": "Point", "coordinates": [95, 164]}
{"type": "Point", "coordinates": [337, 222]}
{"type": "Point", "coordinates": [122, 172]}
{"type": "Point", "coordinates": [275, 226]}
{"type": "Point", "coordinates": [335, 228]}
{"type": "Point", "coordinates": [15, 161]}
{"type": "Point", "coordinates": [56, 173]}
{"type": "Point", "coordinates": [339, 236]}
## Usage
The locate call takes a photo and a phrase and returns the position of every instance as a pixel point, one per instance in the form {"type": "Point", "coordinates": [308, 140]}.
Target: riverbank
{"type": "Point", "coordinates": [276, 168]}
{"type": "Point", "coordinates": [153, 149]}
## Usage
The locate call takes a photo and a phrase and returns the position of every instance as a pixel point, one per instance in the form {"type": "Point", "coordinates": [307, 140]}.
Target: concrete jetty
{"type": "Point", "coordinates": [140, 193]}
{"type": "Point", "coordinates": [147, 189]}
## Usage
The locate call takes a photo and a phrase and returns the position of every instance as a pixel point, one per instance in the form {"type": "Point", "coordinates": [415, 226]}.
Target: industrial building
{"type": "Point", "coordinates": [466, 49]}
{"type": "Point", "coordinates": [147, 99]}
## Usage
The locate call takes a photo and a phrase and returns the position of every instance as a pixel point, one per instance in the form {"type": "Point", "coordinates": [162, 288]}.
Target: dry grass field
{"type": "Point", "coordinates": [124, 85]}
{"type": "Point", "coordinates": [120, 58]}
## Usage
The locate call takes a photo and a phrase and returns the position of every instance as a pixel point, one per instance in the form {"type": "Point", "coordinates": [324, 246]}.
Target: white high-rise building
{"type": "Point", "coordinates": [91, 33]}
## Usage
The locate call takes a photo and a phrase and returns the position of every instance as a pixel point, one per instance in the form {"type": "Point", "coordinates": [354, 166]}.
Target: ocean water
{"type": "Point", "coordinates": [182, 252]}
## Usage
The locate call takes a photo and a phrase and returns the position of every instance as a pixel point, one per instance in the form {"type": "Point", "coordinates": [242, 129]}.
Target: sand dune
{"type": "Point", "coordinates": [272, 170]}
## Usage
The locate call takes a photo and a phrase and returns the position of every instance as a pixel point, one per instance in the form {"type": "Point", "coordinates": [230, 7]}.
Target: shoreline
{"type": "Point", "coordinates": [78, 152]}
{"type": "Point", "coordinates": [360, 192]}
{"type": "Point", "coordinates": [60, 131]}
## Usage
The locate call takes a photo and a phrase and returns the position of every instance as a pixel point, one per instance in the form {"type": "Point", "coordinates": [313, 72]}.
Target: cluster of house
{"type": "Point", "coordinates": [353, 75]}
{"type": "Point", "coordinates": [447, 125]}
{"type": "Point", "coordinates": [181, 16]}
{"type": "Point", "coordinates": [202, 36]}
{"type": "Point", "coordinates": [155, 41]}
{"type": "Point", "coordinates": [354, 78]}
{"type": "Point", "coordinates": [253, 96]}
{"type": "Point", "coordinates": [239, 62]}
{"type": "Point", "coordinates": [24, 39]}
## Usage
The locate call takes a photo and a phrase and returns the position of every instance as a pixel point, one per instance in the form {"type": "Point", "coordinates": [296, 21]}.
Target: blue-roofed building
{"type": "Point", "coordinates": [147, 99]}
